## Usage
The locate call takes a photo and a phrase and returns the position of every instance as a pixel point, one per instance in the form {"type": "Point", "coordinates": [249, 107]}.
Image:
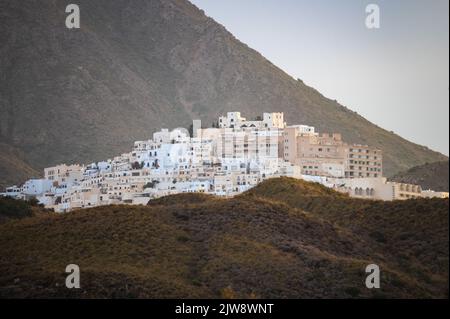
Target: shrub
{"type": "Point", "coordinates": [352, 291]}
{"type": "Point", "coordinates": [228, 293]}
{"type": "Point", "coordinates": [12, 208]}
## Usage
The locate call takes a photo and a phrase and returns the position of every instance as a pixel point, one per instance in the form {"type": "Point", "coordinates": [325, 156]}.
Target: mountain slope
{"type": "Point", "coordinates": [13, 168]}
{"type": "Point", "coordinates": [136, 66]}
{"type": "Point", "coordinates": [246, 247]}
{"type": "Point", "coordinates": [430, 176]}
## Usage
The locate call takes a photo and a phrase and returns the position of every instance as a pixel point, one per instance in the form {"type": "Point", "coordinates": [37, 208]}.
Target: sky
{"type": "Point", "coordinates": [396, 76]}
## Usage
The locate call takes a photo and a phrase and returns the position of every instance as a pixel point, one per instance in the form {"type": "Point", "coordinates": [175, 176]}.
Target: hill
{"type": "Point", "coordinates": [430, 176]}
{"type": "Point", "coordinates": [84, 95]}
{"type": "Point", "coordinates": [396, 226]}
{"type": "Point", "coordinates": [190, 246]}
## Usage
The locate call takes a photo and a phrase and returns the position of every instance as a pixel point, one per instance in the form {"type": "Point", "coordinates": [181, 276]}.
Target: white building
{"type": "Point", "coordinates": [380, 189]}
{"type": "Point", "coordinates": [36, 187]}
{"type": "Point", "coordinates": [235, 120]}
{"type": "Point", "coordinates": [13, 192]}
{"type": "Point", "coordinates": [225, 161]}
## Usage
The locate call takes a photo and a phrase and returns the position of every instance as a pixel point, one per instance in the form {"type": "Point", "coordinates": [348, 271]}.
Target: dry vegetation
{"type": "Point", "coordinates": [284, 239]}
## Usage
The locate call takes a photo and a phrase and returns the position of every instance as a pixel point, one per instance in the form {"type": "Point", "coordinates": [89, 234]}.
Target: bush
{"type": "Point", "coordinates": [353, 292]}
{"type": "Point", "coordinates": [12, 208]}
{"type": "Point", "coordinates": [228, 293]}
{"type": "Point", "coordinates": [378, 236]}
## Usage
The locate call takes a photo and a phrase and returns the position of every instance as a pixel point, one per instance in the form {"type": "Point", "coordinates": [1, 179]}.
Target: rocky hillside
{"type": "Point", "coordinates": [254, 245]}
{"type": "Point", "coordinates": [430, 176]}
{"type": "Point", "coordinates": [13, 168]}
{"type": "Point", "coordinates": [133, 67]}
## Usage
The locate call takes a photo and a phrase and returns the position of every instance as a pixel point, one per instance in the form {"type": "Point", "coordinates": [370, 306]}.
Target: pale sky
{"type": "Point", "coordinates": [396, 76]}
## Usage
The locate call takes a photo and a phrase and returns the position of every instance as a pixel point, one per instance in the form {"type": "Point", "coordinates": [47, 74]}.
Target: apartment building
{"type": "Point", "coordinates": [64, 173]}
{"type": "Point", "coordinates": [363, 161]}
{"type": "Point", "coordinates": [328, 155]}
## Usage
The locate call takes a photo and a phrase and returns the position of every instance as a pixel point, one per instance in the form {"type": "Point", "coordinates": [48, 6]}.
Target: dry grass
{"type": "Point", "coordinates": [254, 245]}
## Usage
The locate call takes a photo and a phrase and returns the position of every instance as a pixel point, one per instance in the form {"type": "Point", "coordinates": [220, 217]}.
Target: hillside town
{"type": "Point", "coordinates": [224, 160]}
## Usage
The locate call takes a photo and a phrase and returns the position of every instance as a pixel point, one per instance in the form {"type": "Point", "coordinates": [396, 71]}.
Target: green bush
{"type": "Point", "coordinates": [12, 208]}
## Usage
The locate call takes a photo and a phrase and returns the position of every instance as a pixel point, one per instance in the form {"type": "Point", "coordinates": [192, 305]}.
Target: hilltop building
{"type": "Point", "coordinates": [224, 160]}
{"type": "Point", "coordinates": [234, 120]}
{"type": "Point", "coordinates": [328, 155]}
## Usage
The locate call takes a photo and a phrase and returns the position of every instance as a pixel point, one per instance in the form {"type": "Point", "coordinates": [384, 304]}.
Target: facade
{"type": "Point", "coordinates": [268, 120]}
{"type": "Point", "coordinates": [433, 194]}
{"type": "Point", "coordinates": [328, 155]}
{"type": "Point", "coordinates": [35, 187]}
{"type": "Point", "coordinates": [363, 161]}
{"type": "Point", "coordinates": [63, 174]}
{"type": "Point", "coordinates": [379, 188]}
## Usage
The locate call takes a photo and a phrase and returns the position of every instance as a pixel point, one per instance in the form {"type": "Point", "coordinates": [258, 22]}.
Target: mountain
{"type": "Point", "coordinates": [250, 246]}
{"type": "Point", "coordinates": [430, 176]}
{"type": "Point", "coordinates": [13, 168]}
{"type": "Point", "coordinates": [83, 95]}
